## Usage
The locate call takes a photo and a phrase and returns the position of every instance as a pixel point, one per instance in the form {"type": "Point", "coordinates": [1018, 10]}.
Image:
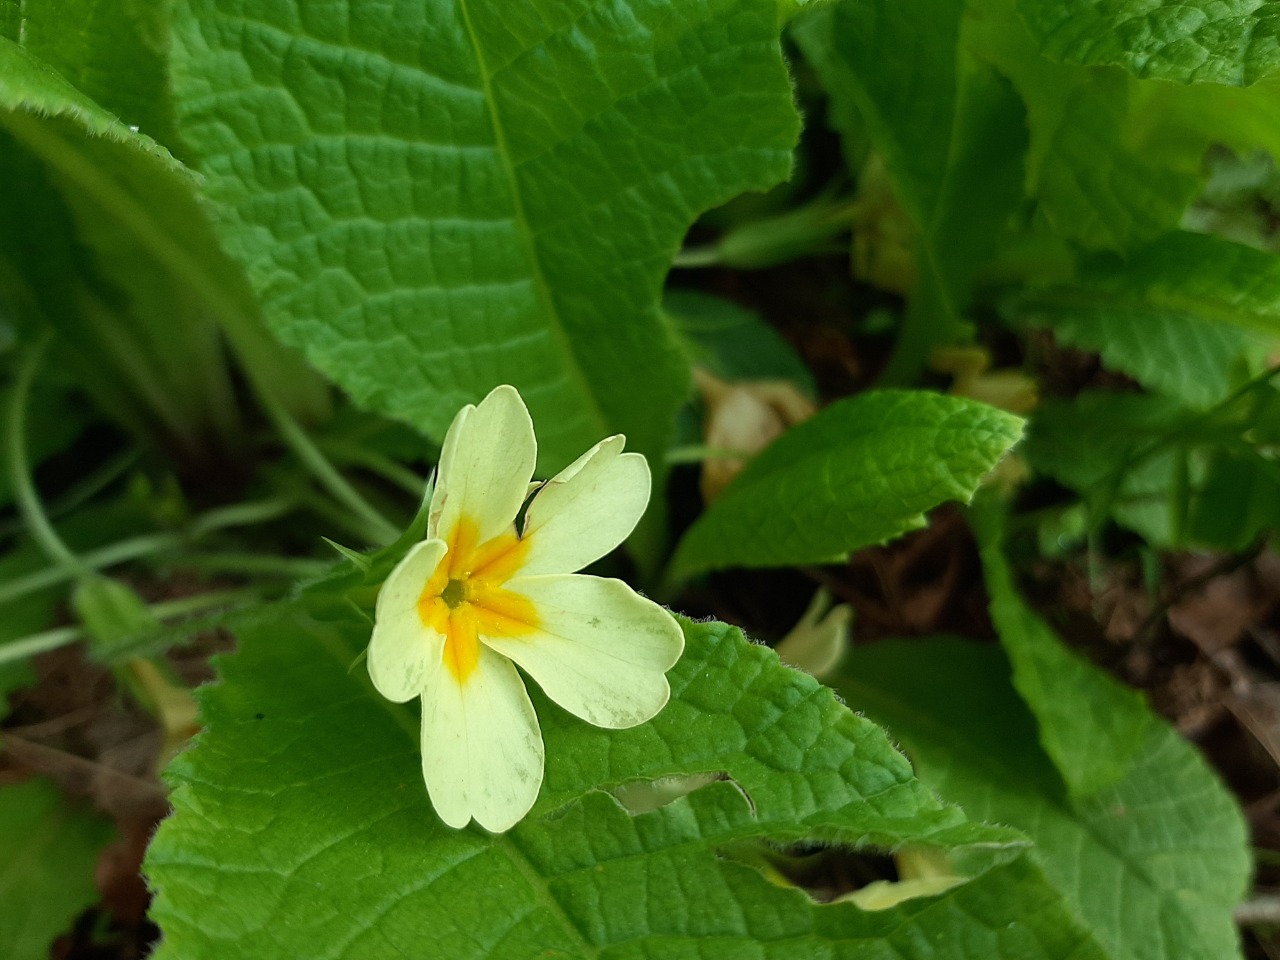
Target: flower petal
{"type": "Point", "coordinates": [485, 465]}
{"type": "Point", "coordinates": [599, 649]}
{"type": "Point", "coordinates": [586, 510]}
{"type": "Point", "coordinates": [481, 745]}
{"type": "Point", "coordinates": [402, 646]}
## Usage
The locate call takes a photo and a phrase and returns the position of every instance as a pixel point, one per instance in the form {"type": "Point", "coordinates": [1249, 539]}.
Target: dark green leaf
{"type": "Point", "coordinates": [47, 854]}
{"type": "Point", "coordinates": [1189, 315]}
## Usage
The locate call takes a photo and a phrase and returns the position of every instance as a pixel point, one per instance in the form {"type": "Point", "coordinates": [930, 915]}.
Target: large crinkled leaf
{"type": "Point", "coordinates": [952, 135]}
{"type": "Point", "coordinates": [302, 827]}
{"type": "Point", "coordinates": [1194, 41]}
{"type": "Point", "coordinates": [862, 471]}
{"type": "Point", "coordinates": [1114, 160]}
{"type": "Point", "coordinates": [1091, 726]}
{"type": "Point", "coordinates": [48, 850]}
{"type": "Point", "coordinates": [1152, 865]}
{"type": "Point", "coordinates": [1188, 314]}
{"type": "Point", "coordinates": [436, 198]}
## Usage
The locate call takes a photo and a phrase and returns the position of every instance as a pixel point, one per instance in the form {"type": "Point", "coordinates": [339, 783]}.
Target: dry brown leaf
{"type": "Point", "coordinates": [744, 418]}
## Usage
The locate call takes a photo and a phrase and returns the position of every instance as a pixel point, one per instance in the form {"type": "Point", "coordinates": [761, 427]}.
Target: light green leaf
{"type": "Point", "coordinates": [1091, 726]}
{"type": "Point", "coordinates": [952, 134]}
{"type": "Point", "coordinates": [1152, 865]}
{"type": "Point", "coordinates": [434, 199]}
{"type": "Point", "coordinates": [1193, 41]}
{"type": "Point", "coordinates": [27, 83]}
{"type": "Point", "coordinates": [48, 850]}
{"type": "Point", "coordinates": [1189, 315]}
{"type": "Point", "coordinates": [862, 471]}
{"type": "Point", "coordinates": [307, 783]}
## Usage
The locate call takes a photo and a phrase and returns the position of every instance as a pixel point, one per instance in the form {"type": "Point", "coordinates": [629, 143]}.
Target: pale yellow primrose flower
{"type": "Point", "coordinates": [477, 597]}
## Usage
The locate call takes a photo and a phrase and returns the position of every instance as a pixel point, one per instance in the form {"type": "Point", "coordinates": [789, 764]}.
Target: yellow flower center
{"type": "Point", "coordinates": [465, 596]}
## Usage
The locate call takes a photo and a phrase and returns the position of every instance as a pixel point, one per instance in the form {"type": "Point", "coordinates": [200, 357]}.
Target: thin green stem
{"type": "Point", "coordinates": [1186, 430]}
{"type": "Point", "coordinates": [152, 544]}
{"type": "Point", "coordinates": [249, 513]}
{"type": "Point", "coordinates": [694, 257]}
{"type": "Point", "coordinates": [324, 472]}
{"type": "Point", "coordinates": [92, 485]}
{"type": "Point", "coordinates": [35, 643]}
{"type": "Point", "coordinates": [24, 491]}
{"type": "Point", "coordinates": [252, 564]}
{"type": "Point", "coordinates": [107, 556]}
{"type": "Point", "coordinates": [384, 466]}
{"type": "Point", "coordinates": [697, 453]}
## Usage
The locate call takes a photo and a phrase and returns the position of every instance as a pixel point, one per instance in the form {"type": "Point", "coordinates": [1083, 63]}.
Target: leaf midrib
{"type": "Point", "coordinates": [521, 220]}
{"type": "Point", "coordinates": [334, 645]}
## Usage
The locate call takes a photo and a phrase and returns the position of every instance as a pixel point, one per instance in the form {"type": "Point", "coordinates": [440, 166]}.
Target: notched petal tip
{"type": "Point", "coordinates": [482, 753]}
{"type": "Point", "coordinates": [587, 509]}
{"type": "Point", "coordinates": [485, 466]}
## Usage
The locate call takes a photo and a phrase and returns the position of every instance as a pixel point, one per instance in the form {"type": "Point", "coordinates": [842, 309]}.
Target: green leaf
{"type": "Point", "coordinates": [1091, 726]}
{"type": "Point", "coordinates": [1178, 478]}
{"type": "Point", "coordinates": [862, 471]}
{"type": "Point", "coordinates": [27, 83]}
{"type": "Point", "coordinates": [1101, 174]}
{"type": "Point", "coordinates": [48, 850]}
{"type": "Point", "coordinates": [1189, 315]}
{"type": "Point", "coordinates": [1192, 41]}
{"type": "Point", "coordinates": [112, 51]}
{"type": "Point", "coordinates": [313, 788]}
{"type": "Point", "coordinates": [438, 198]}
{"type": "Point", "coordinates": [952, 134]}
{"type": "Point", "coordinates": [733, 342]}
{"type": "Point", "coordinates": [1152, 865]}
{"type": "Point", "coordinates": [126, 265]}
{"type": "Point", "coordinates": [10, 19]}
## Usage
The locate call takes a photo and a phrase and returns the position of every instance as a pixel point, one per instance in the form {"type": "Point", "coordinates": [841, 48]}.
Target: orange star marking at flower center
{"type": "Point", "coordinates": [465, 597]}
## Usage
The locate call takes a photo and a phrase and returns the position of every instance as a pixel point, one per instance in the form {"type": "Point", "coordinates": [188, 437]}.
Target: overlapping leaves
{"type": "Point", "coordinates": [439, 198]}
{"type": "Point", "coordinates": [1152, 864]}
{"type": "Point", "coordinates": [310, 785]}
{"type": "Point", "coordinates": [863, 470]}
